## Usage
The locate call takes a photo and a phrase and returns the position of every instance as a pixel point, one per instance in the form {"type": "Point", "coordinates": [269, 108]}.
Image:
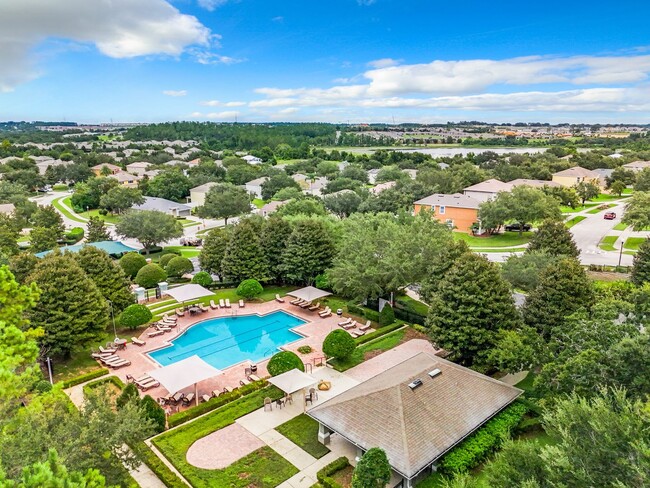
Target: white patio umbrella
{"type": "Point", "coordinates": [309, 293]}
{"type": "Point", "coordinates": [185, 293]}
{"type": "Point", "coordinates": [184, 373]}
{"type": "Point", "coordinates": [293, 381]}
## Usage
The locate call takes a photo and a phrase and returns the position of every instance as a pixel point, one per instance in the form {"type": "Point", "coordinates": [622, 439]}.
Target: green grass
{"type": "Point", "coordinates": [575, 220]}
{"type": "Point", "coordinates": [633, 243]}
{"type": "Point", "coordinates": [186, 251]}
{"type": "Point", "coordinates": [579, 208]}
{"type": "Point", "coordinates": [628, 191]}
{"type": "Point", "coordinates": [606, 197]}
{"type": "Point", "coordinates": [620, 226]}
{"type": "Point", "coordinates": [188, 223]}
{"type": "Point", "coordinates": [72, 216]}
{"type": "Point", "coordinates": [607, 243]}
{"type": "Point", "coordinates": [258, 202]}
{"type": "Point", "coordinates": [111, 219]}
{"type": "Point", "coordinates": [262, 468]}
{"type": "Point", "coordinates": [495, 249]}
{"type": "Point", "coordinates": [382, 344]}
{"type": "Point", "coordinates": [60, 187]}
{"type": "Point", "coordinates": [412, 304]}
{"type": "Point", "coordinates": [598, 209]}
{"type": "Point", "coordinates": [507, 239]}
{"type": "Point", "coordinates": [303, 431]}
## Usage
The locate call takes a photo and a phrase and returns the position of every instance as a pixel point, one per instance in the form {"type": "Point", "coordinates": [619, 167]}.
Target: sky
{"type": "Point", "coordinates": [340, 61]}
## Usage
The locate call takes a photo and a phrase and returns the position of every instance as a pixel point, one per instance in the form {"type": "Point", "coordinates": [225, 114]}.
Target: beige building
{"type": "Point", "coordinates": [573, 176]}
{"type": "Point", "coordinates": [138, 168]}
{"type": "Point", "coordinates": [197, 194]}
{"type": "Point", "coordinates": [126, 179]}
{"type": "Point", "coordinates": [637, 166]}
{"type": "Point", "coordinates": [486, 190]}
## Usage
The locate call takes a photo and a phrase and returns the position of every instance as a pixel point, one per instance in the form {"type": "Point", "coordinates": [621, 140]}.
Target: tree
{"type": "Point", "coordinates": [178, 266]}
{"type": "Point", "coordinates": [641, 269]}
{"type": "Point", "coordinates": [107, 275]}
{"type": "Point", "coordinates": [244, 257]}
{"type": "Point", "coordinates": [154, 413]}
{"type": "Point", "coordinates": [390, 173]}
{"type": "Point", "coordinates": [287, 194]}
{"type": "Point", "coordinates": [249, 289]}
{"type": "Point", "coordinates": [276, 183]}
{"type": "Point", "coordinates": [87, 195]}
{"type": "Point", "coordinates": [224, 201]}
{"type": "Point", "coordinates": [134, 316]}
{"type": "Point", "coordinates": [372, 471]}
{"type": "Point", "coordinates": [215, 244]}
{"type": "Point", "coordinates": [149, 227]}
{"type": "Point", "coordinates": [22, 264]}
{"type": "Point", "coordinates": [302, 206]}
{"type": "Point", "coordinates": [472, 305]}
{"type": "Point", "coordinates": [342, 203]}
{"type": "Point", "coordinates": [618, 187]}
{"type": "Point", "coordinates": [642, 182]}
{"type": "Point", "coordinates": [275, 234]}
{"type": "Point", "coordinates": [553, 238]}
{"type": "Point", "coordinates": [130, 394]}
{"type": "Point", "coordinates": [586, 191]}
{"type": "Point", "coordinates": [339, 184]}
{"type": "Point", "coordinates": [387, 315]}
{"type": "Point", "coordinates": [41, 239]}
{"type": "Point", "coordinates": [131, 263]}
{"type": "Point", "coordinates": [355, 173]}
{"type": "Point", "coordinates": [96, 230]}
{"type": "Point", "coordinates": [637, 211]}
{"type": "Point", "coordinates": [71, 309]}
{"type": "Point", "coordinates": [120, 198]}
{"type": "Point", "coordinates": [202, 278]}
{"type": "Point", "coordinates": [563, 289]}
{"type": "Point", "coordinates": [523, 271]}
{"type": "Point", "coordinates": [339, 344]}
{"type": "Point", "coordinates": [309, 251]}
{"type": "Point", "coordinates": [150, 275]}
{"type": "Point", "coordinates": [48, 217]}
{"type": "Point", "coordinates": [170, 184]}
{"type": "Point", "coordinates": [284, 361]}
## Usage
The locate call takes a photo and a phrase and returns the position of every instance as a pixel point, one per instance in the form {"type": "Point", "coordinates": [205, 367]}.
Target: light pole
{"type": "Point", "coordinates": [620, 255]}
{"type": "Point", "coordinates": [113, 317]}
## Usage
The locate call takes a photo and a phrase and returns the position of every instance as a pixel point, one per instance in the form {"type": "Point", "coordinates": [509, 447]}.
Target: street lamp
{"type": "Point", "coordinates": [113, 316]}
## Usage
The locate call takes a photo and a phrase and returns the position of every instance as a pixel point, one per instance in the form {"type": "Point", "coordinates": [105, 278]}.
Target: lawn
{"type": "Point", "coordinates": [111, 219]}
{"type": "Point", "coordinates": [607, 244]}
{"type": "Point", "coordinates": [186, 252]}
{"type": "Point", "coordinates": [606, 197]}
{"type": "Point", "coordinates": [598, 209]}
{"type": "Point", "coordinates": [72, 216]}
{"type": "Point", "coordinates": [258, 202]}
{"type": "Point", "coordinates": [188, 223]}
{"type": "Point", "coordinates": [633, 243]}
{"type": "Point", "coordinates": [263, 468]}
{"type": "Point", "coordinates": [303, 431]}
{"type": "Point", "coordinates": [384, 343]}
{"type": "Point", "coordinates": [620, 226]}
{"type": "Point", "coordinates": [628, 191]}
{"type": "Point", "coordinates": [575, 220]}
{"type": "Point", "coordinates": [580, 208]}
{"type": "Point", "coordinates": [507, 239]}
{"type": "Point", "coordinates": [496, 249]}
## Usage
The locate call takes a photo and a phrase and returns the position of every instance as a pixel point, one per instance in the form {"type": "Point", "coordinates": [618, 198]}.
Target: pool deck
{"type": "Point", "coordinates": [314, 332]}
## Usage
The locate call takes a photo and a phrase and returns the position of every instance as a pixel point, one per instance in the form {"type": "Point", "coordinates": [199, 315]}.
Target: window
{"type": "Point", "coordinates": [450, 223]}
{"type": "Point", "coordinates": [442, 209]}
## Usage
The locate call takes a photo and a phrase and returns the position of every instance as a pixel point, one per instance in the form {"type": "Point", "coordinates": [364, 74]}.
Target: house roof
{"type": "Point", "coordinates": [139, 164]}
{"type": "Point", "coordinates": [456, 200]}
{"type": "Point", "coordinates": [7, 208]}
{"type": "Point", "coordinates": [490, 186]}
{"type": "Point", "coordinates": [204, 188]}
{"type": "Point", "coordinates": [533, 183]}
{"type": "Point", "coordinates": [577, 171]}
{"type": "Point", "coordinates": [637, 165]}
{"type": "Point", "coordinates": [382, 186]}
{"type": "Point", "coordinates": [111, 247]}
{"type": "Point", "coordinates": [124, 176]}
{"type": "Point", "coordinates": [271, 207]}
{"type": "Point", "coordinates": [257, 181]}
{"type": "Point", "coordinates": [160, 204]}
{"type": "Point", "coordinates": [415, 426]}
{"type": "Point", "coordinates": [110, 166]}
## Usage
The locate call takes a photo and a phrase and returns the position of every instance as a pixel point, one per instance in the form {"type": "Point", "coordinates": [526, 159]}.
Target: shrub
{"type": "Point", "coordinates": [372, 315]}
{"type": "Point", "coordinates": [75, 235]}
{"type": "Point", "coordinates": [322, 281]}
{"type": "Point", "coordinates": [77, 380]}
{"type": "Point", "coordinates": [378, 333]}
{"type": "Point", "coordinates": [134, 315]}
{"type": "Point", "coordinates": [305, 349]}
{"type": "Point", "coordinates": [324, 476]}
{"type": "Point", "coordinates": [42, 386]}
{"type": "Point", "coordinates": [386, 316]}
{"type": "Point", "coordinates": [202, 278]}
{"type": "Point", "coordinates": [131, 263]}
{"type": "Point", "coordinates": [372, 470]}
{"type": "Point", "coordinates": [249, 289]}
{"type": "Point", "coordinates": [164, 474]}
{"type": "Point", "coordinates": [354, 309]}
{"type": "Point", "coordinates": [284, 361]}
{"type": "Point", "coordinates": [166, 258]}
{"type": "Point", "coordinates": [178, 266]}
{"type": "Point", "coordinates": [154, 412]}
{"type": "Point", "coordinates": [339, 344]}
{"type": "Point", "coordinates": [129, 394]}
{"type": "Point", "coordinates": [150, 275]}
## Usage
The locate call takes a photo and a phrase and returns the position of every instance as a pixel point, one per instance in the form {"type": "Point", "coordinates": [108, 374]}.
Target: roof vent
{"type": "Point", "coordinates": [435, 372]}
{"type": "Point", "coordinates": [415, 383]}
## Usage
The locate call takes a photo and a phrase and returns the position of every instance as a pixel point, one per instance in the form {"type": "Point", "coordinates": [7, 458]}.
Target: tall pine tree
{"type": "Point", "coordinates": [641, 269]}
{"type": "Point", "coordinates": [309, 251]}
{"type": "Point", "coordinates": [214, 250]}
{"type": "Point", "coordinates": [553, 238]}
{"type": "Point", "coordinates": [245, 257]}
{"type": "Point", "coordinates": [96, 230]}
{"type": "Point", "coordinates": [274, 239]}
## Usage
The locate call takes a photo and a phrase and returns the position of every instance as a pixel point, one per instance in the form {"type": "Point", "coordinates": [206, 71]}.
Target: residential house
{"type": "Point", "coordinates": [126, 179]}
{"type": "Point", "coordinates": [316, 186]}
{"type": "Point", "coordinates": [377, 189]}
{"type": "Point", "coordinates": [252, 159]}
{"type": "Point", "coordinates": [176, 162]}
{"type": "Point", "coordinates": [197, 194]}
{"type": "Point", "coordinates": [572, 176]}
{"type": "Point", "coordinates": [603, 174]}
{"type": "Point", "coordinates": [637, 166]}
{"type": "Point", "coordinates": [255, 186]}
{"type": "Point", "coordinates": [152, 173]}
{"type": "Point", "coordinates": [271, 207]}
{"type": "Point", "coordinates": [138, 168]}
{"type": "Point", "coordinates": [99, 170]}
{"type": "Point", "coordinates": [7, 208]}
{"type": "Point", "coordinates": [533, 183]}
{"type": "Point", "coordinates": [413, 173]}
{"type": "Point", "coordinates": [457, 210]}
{"type": "Point", "coordinates": [50, 163]}
{"type": "Point", "coordinates": [174, 209]}
{"type": "Point", "coordinates": [372, 175]}
{"type": "Point", "coordinates": [415, 411]}
{"type": "Point", "coordinates": [302, 180]}
{"type": "Point", "coordinates": [486, 190]}
{"type": "Point", "coordinates": [443, 165]}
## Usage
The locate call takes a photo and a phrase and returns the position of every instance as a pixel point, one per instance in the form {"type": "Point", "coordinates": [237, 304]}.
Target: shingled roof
{"type": "Point", "coordinates": [415, 426]}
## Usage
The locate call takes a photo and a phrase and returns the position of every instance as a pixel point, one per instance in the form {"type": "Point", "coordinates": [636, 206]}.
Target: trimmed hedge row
{"type": "Point", "coordinates": [355, 309]}
{"type": "Point", "coordinates": [160, 469]}
{"type": "Point", "coordinates": [473, 450]}
{"type": "Point", "coordinates": [109, 379]}
{"type": "Point", "coordinates": [214, 403]}
{"type": "Point", "coordinates": [77, 380]}
{"type": "Point", "coordinates": [378, 333]}
{"type": "Point", "coordinates": [324, 476]}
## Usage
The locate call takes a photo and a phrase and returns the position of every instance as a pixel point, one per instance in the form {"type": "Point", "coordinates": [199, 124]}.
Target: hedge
{"type": "Point", "coordinates": [109, 379]}
{"type": "Point", "coordinates": [477, 447]}
{"type": "Point", "coordinates": [77, 380]}
{"type": "Point", "coordinates": [355, 309]}
{"type": "Point", "coordinates": [378, 333]}
{"type": "Point", "coordinates": [160, 469]}
{"type": "Point", "coordinates": [408, 315]}
{"type": "Point", "coordinates": [284, 361]}
{"type": "Point", "coordinates": [214, 403]}
{"type": "Point", "coordinates": [324, 476]}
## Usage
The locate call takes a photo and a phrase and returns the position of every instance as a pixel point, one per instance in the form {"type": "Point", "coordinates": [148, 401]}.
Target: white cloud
{"type": "Point", "coordinates": [175, 93]}
{"type": "Point", "coordinates": [209, 57]}
{"type": "Point", "coordinates": [211, 4]}
{"type": "Point", "coordinates": [384, 63]}
{"type": "Point", "coordinates": [226, 115]}
{"type": "Point", "coordinates": [217, 103]}
{"type": "Point", "coordinates": [289, 110]}
{"type": "Point", "coordinates": [278, 19]}
{"type": "Point", "coordinates": [366, 3]}
{"type": "Point", "coordinates": [117, 28]}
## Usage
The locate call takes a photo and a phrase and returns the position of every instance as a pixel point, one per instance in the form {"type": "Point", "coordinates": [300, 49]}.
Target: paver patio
{"type": "Point", "coordinates": [223, 447]}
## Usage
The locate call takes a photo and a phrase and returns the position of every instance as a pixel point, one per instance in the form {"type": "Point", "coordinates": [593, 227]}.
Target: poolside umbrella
{"type": "Point", "coordinates": [309, 293]}
{"type": "Point", "coordinates": [186, 293]}
{"type": "Point", "coordinates": [181, 374]}
{"type": "Point", "coordinates": [292, 381]}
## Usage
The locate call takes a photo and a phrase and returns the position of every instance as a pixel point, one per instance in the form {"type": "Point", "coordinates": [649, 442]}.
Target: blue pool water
{"type": "Point", "coordinates": [225, 341]}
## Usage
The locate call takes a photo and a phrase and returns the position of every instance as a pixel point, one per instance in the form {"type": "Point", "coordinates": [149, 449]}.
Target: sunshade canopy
{"type": "Point", "coordinates": [309, 293]}
{"type": "Point", "coordinates": [292, 381]}
{"type": "Point", "coordinates": [186, 293]}
{"type": "Point", "coordinates": [184, 373]}
{"type": "Point", "coordinates": [115, 248]}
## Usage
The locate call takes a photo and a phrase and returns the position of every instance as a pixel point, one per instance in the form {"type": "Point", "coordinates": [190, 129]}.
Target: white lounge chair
{"type": "Point", "coordinates": [366, 326]}
{"type": "Point", "coordinates": [222, 304]}
{"type": "Point", "coordinates": [137, 342]}
{"type": "Point", "coordinates": [155, 333]}
{"type": "Point", "coordinates": [107, 350]}
{"type": "Point", "coordinates": [228, 303]}
{"type": "Point", "coordinates": [253, 377]}
{"type": "Point", "coordinates": [345, 322]}
{"type": "Point", "coordinates": [180, 312]}
{"type": "Point", "coordinates": [314, 307]}
{"type": "Point", "coordinates": [348, 326]}
{"type": "Point", "coordinates": [305, 304]}
{"type": "Point", "coordinates": [203, 308]}
{"type": "Point", "coordinates": [241, 304]}
{"type": "Point", "coordinates": [296, 301]}
{"type": "Point", "coordinates": [325, 313]}
{"type": "Point", "coordinates": [213, 305]}
{"type": "Point", "coordinates": [278, 299]}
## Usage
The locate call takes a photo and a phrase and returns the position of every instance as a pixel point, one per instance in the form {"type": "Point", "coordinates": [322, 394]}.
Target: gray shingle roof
{"type": "Point", "coordinates": [490, 186]}
{"type": "Point", "coordinates": [455, 200]}
{"type": "Point", "coordinates": [160, 204]}
{"type": "Point", "coordinates": [417, 426]}
{"type": "Point", "coordinates": [577, 171]}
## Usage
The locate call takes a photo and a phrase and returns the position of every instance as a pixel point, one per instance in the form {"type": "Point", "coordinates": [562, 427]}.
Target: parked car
{"type": "Point", "coordinates": [609, 216]}
{"type": "Point", "coordinates": [516, 227]}
{"type": "Point", "coordinates": [191, 241]}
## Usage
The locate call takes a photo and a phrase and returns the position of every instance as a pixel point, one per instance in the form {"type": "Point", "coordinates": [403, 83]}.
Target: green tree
{"type": "Point", "coordinates": [41, 239]}
{"type": "Point", "coordinates": [637, 211]}
{"type": "Point", "coordinates": [215, 244]}
{"type": "Point", "coordinates": [244, 257]}
{"type": "Point", "coordinates": [48, 217]}
{"type": "Point", "coordinates": [586, 191]}
{"type": "Point", "coordinates": [130, 394]}
{"type": "Point", "coordinates": [472, 305]}
{"type": "Point", "coordinates": [553, 238]}
{"type": "Point", "coordinates": [642, 182]}
{"type": "Point", "coordinates": [276, 183]}
{"type": "Point", "coordinates": [131, 263]}
{"type": "Point", "coordinates": [22, 264]}
{"type": "Point", "coordinates": [309, 251]}
{"type": "Point", "coordinates": [96, 230]}
{"type": "Point", "coordinates": [134, 316]}
{"type": "Point", "coordinates": [8, 238]}
{"type": "Point", "coordinates": [154, 413]}
{"type": "Point", "coordinates": [339, 344]}
{"type": "Point", "coordinates": [386, 316]}
{"type": "Point", "coordinates": [149, 227]}
{"type": "Point", "coordinates": [71, 309]}
{"type": "Point", "coordinates": [170, 184]}
{"type": "Point", "coordinates": [339, 184]}
{"type": "Point", "coordinates": [523, 271]}
{"type": "Point", "coordinates": [342, 203]}
{"type": "Point", "coordinates": [120, 198]}
{"type": "Point", "coordinates": [390, 173]}
{"type": "Point", "coordinates": [86, 195]}
{"type": "Point", "coordinates": [178, 266]}
{"type": "Point", "coordinates": [202, 278]}
{"type": "Point", "coordinates": [150, 275]}
{"type": "Point", "coordinates": [302, 206]}
{"type": "Point", "coordinates": [107, 275]}
{"type": "Point", "coordinates": [224, 201]}
{"type": "Point", "coordinates": [372, 471]}
{"type": "Point", "coordinates": [641, 269]}
{"type": "Point", "coordinates": [274, 237]}
{"type": "Point", "coordinates": [284, 361]}
{"type": "Point", "coordinates": [249, 289]}
{"type": "Point", "coordinates": [618, 187]}
{"type": "Point", "coordinates": [355, 173]}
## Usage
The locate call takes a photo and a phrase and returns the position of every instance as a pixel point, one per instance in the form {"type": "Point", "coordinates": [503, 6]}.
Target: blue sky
{"type": "Point", "coordinates": [335, 61]}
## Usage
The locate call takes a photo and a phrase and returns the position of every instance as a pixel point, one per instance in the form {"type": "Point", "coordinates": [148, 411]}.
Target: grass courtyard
{"type": "Point", "coordinates": [607, 243]}
{"type": "Point", "coordinates": [633, 243]}
{"type": "Point", "coordinates": [303, 431]}
{"type": "Point", "coordinates": [507, 239]}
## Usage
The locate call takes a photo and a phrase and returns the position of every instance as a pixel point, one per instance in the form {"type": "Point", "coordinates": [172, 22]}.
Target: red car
{"type": "Point", "coordinates": [609, 216]}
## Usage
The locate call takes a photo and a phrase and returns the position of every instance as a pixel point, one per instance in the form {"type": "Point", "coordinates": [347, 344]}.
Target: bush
{"type": "Point", "coordinates": [150, 275]}
{"type": "Point", "coordinates": [473, 450]}
{"type": "Point", "coordinates": [324, 476]}
{"type": "Point", "coordinates": [75, 235]}
{"type": "Point", "coordinates": [154, 412]}
{"type": "Point", "coordinates": [386, 316]}
{"type": "Point", "coordinates": [164, 474]}
{"type": "Point", "coordinates": [131, 263]}
{"type": "Point", "coordinates": [354, 309]}
{"type": "Point", "coordinates": [178, 266]}
{"type": "Point", "coordinates": [129, 394]}
{"type": "Point", "coordinates": [322, 282]}
{"type": "Point", "coordinates": [42, 386]}
{"type": "Point", "coordinates": [166, 258]}
{"type": "Point", "coordinates": [339, 344]}
{"type": "Point", "coordinates": [134, 315]}
{"type": "Point", "coordinates": [202, 278]}
{"type": "Point", "coordinates": [84, 377]}
{"type": "Point", "coordinates": [305, 349]}
{"type": "Point", "coordinates": [372, 470]}
{"type": "Point", "coordinates": [284, 361]}
{"type": "Point", "coordinates": [249, 289]}
{"type": "Point", "coordinates": [372, 315]}
{"type": "Point", "coordinates": [378, 333]}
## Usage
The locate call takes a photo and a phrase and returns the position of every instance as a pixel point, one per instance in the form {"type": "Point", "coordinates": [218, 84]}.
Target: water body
{"type": "Point", "coordinates": [440, 152]}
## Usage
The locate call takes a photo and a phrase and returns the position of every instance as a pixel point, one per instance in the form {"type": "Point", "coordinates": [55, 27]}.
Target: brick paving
{"type": "Point", "coordinates": [223, 447]}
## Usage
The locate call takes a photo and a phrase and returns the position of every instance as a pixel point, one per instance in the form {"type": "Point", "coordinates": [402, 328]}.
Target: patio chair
{"type": "Point", "coordinates": [365, 327]}
{"type": "Point", "coordinates": [109, 359]}
{"type": "Point", "coordinates": [228, 389]}
{"type": "Point", "coordinates": [203, 308]}
{"type": "Point", "coordinates": [241, 304]}
{"type": "Point", "coordinates": [180, 313]}
{"type": "Point", "coordinates": [205, 398]}
{"type": "Point", "coordinates": [222, 304]}
{"type": "Point", "coordinates": [163, 328]}
{"type": "Point", "coordinates": [176, 397]}
{"type": "Point", "coordinates": [187, 399]}
{"type": "Point", "coordinates": [213, 305]}
{"type": "Point", "coordinates": [345, 322]}
{"type": "Point", "coordinates": [170, 323]}
{"type": "Point", "coordinates": [308, 399]}
{"type": "Point", "coordinates": [296, 301]}
{"type": "Point", "coordinates": [162, 401]}
{"type": "Point", "coordinates": [244, 382]}
{"type": "Point", "coordinates": [314, 307]}
{"type": "Point", "coordinates": [131, 379]}
{"type": "Point", "coordinates": [137, 342]}
{"type": "Point", "coordinates": [305, 304]}
{"type": "Point", "coordinates": [155, 333]}
{"type": "Point", "coordinates": [325, 313]}
{"type": "Point", "coordinates": [313, 393]}
{"type": "Point", "coordinates": [146, 384]}
{"type": "Point", "coordinates": [253, 377]}
{"type": "Point", "coordinates": [278, 299]}
{"type": "Point", "coordinates": [110, 350]}
{"type": "Point", "coordinates": [119, 364]}
{"type": "Point", "coordinates": [168, 318]}
{"type": "Point", "coordinates": [228, 303]}
{"type": "Point", "coordinates": [215, 393]}
{"type": "Point", "coordinates": [268, 403]}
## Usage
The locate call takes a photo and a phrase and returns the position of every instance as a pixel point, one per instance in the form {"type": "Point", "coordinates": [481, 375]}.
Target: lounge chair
{"type": "Point", "coordinates": [357, 333]}
{"type": "Point", "coordinates": [176, 397]}
{"type": "Point", "coordinates": [187, 399]}
{"type": "Point", "coordinates": [205, 398]}
{"type": "Point", "coordinates": [146, 384]}
{"type": "Point", "coordinates": [131, 379]}
{"type": "Point", "coordinates": [222, 304]}
{"type": "Point", "coordinates": [278, 299]}
{"type": "Point", "coordinates": [169, 321]}
{"type": "Point", "coordinates": [180, 313]}
{"type": "Point", "coordinates": [268, 403]}
{"type": "Point", "coordinates": [365, 327]}
{"type": "Point", "coordinates": [163, 328]}
{"type": "Point", "coordinates": [99, 355]}
{"type": "Point", "coordinates": [297, 301]}
{"type": "Point", "coordinates": [137, 342]}
{"type": "Point", "coordinates": [203, 308]}
{"type": "Point", "coordinates": [305, 304]}
{"type": "Point", "coordinates": [228, 303]}
{"type": "Point", "coordinates": [213, 305]}
{"type": "Point", "coordinates": [241, 304]}
{"type": "Point", "coordinates": [108, 359]}
{"type": "Point", "coordinates": [168, 318]}
{"type": "Point", "coordinates": [325, 313]}
{"type": "Point", "coordinates": [314, 307]}
{"type": "Point", "coordinates": [215, 393]}
{"type": "Point", "coordinates": [345, 322]}
{"type": "Point", "coordinates": [107, 350]}
{"type": "Point", "coordinates": [228, 389]}
{"type": "Point", "coordinates": [119, 364]}
{"type": "Point", "coordinates": [349, 326]}
{"type": "Point", "coordinates": [155, 333]}
{"type": "Point", "coordinates": [244, 382]}
{"type": "Point", "coordinates": [252, 377]}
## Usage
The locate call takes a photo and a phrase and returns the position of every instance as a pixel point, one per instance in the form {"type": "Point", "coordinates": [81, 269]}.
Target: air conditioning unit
{"type": "Point", "coordinates": [415, 383]}
{"type": "Point", "coordinates": [435, 372]}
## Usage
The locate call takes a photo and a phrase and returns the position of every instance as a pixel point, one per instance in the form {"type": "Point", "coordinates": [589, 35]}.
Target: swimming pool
{"type": "Point", "coordinates": [225, 341]}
